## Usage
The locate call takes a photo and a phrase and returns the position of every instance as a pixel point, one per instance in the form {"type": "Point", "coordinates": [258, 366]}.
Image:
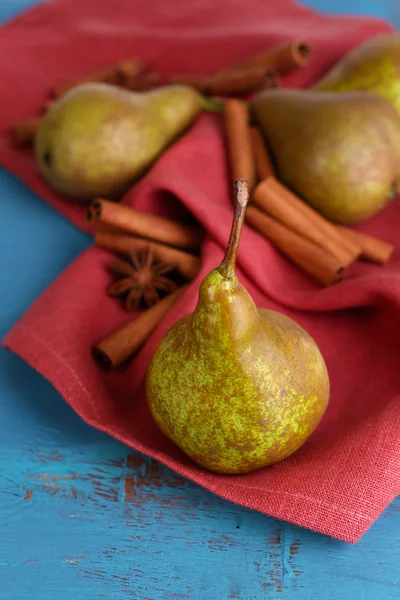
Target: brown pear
{"type": "Point", "coordinates": [98, 139]}
{"type": "Point", "coordinates": [339, 152]}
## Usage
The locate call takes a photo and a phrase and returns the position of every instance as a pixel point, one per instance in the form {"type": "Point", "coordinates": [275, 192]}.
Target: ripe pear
{"type": "Point", "coordinates": [339, 152]}
{"type": "Point", "coordinates": [98, 139]}
{"type": "Point", "coordinates": [236, 387]}
{"type": "Point", "coordinates": [374, 66]}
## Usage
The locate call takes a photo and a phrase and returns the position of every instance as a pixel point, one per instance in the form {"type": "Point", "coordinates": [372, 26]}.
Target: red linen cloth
{"type": "Point", "coordinates": [349, 470]}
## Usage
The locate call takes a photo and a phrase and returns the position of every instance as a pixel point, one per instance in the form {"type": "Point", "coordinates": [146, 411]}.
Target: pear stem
{"type": "Point", "coordinates": [213, 105]}
{"type": "Point", "coordinates": [227, 267]}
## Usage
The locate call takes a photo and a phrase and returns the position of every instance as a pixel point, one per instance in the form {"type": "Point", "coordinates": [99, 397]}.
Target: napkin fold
{"type": "Point", "coordinates": [345, 475]}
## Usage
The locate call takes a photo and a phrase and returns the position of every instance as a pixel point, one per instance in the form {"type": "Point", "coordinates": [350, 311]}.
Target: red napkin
{"type": "Point", "coordinates": [349, 470]}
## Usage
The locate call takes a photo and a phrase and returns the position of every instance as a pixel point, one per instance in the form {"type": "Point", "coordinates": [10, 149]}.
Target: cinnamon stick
{"type": "Point", "coordinates": [187, 264]}
{"type": "Point", "coordinates": [261, 157]}
{"type": "Point", "coordinates": [147, 225]}
{"type": "Point", "coordinates": [326, 226]}
{"type": "Point", "coordinates": [23, 133]}
{"type": "Point", "coordinates": [230, 83]}
{"type": "Point", "coordinates": [240, 152]}
{"type": "Point", "coordinates": [281, 59]}
{"type": "Point", "coordinates": [372, 248]}
{"type": "Point", "coordinates": [120, 74]}
{"type": "Point", "coordinates": [123, 343]}
{"type": "Point", "coordinates": [272, 197]}
{"type": "Point", "coordinates": [311, 258]}
{"type": "Point", "coordinates": [142, 82]}
{"type": "Point", "coordinates": [47, 106]}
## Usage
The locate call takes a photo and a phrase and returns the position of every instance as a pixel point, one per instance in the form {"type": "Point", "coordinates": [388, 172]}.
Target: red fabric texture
{"type": "Point", "coordinates": [345, 475]}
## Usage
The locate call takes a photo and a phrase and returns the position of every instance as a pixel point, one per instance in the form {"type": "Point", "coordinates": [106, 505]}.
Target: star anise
{"type": "Point", "coordinates": [141, 279]}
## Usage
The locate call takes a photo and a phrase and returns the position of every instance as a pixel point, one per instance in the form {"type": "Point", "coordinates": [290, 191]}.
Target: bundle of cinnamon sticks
{"type": "Point", "coordinates": [123, 230]}
{"type": "Point", "coordinates": [260, 71]}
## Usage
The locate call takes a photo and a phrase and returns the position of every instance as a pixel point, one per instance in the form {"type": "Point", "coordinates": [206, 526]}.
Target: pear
{"type": "Point", "coordinates": [374, 66]}
{"type": "Point", "coordinates": [339, 152]}
{"type": "Point", "coordinates": [98, 139]}
{"type": "Point", "coordinates": [236, 387]}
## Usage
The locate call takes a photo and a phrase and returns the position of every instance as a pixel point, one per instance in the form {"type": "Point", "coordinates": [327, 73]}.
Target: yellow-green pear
{"type": "Point", "coordinates": [98, 139]}
{"type": "Point", "coordinates": [339, 152]}
{"type": "Point", "coordinates": [374, 66]}
{"type": "Point", "coordinates": [236, 387]}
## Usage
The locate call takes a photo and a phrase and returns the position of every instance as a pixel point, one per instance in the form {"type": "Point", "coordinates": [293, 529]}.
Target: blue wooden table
{"type": "Point", "coordinates": [83, 517]}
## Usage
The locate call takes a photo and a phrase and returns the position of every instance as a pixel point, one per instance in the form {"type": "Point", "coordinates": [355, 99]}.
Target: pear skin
{"type": "Point", "coordinates": [374, 66]}
{"type": "Point", "coordinates": [236, 387]}
{"type": "Point", "coordinates": [98, 139]}
{"type": "Point", "coordinates": [339, 152]}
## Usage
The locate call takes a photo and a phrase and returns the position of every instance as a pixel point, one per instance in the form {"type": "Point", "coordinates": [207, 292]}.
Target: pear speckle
{"type": "Point", "coordinates": [235, 386]}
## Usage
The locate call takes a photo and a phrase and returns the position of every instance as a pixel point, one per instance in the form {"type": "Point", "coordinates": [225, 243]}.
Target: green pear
{"type": "Point", "coordinates": [339, 152]}
{"type": "Point", "coordinates": [236, 387]}
{"type": "Point", "coordinates": [98, 139]}
{"type": "Point", "coordinates": [374, 66]}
